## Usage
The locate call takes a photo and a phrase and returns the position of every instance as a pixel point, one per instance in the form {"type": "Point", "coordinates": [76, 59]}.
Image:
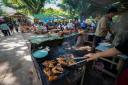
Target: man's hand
{"type": "Point", "coordinates": [91, 56]}
{"type": "Point", "coordinates": [108, 53]}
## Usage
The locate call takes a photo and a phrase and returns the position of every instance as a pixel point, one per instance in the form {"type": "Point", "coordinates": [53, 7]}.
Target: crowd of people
{"type": "Point", "coordinates": [8, 26]}
{"type": "Point", "coordinates": [62, 25]}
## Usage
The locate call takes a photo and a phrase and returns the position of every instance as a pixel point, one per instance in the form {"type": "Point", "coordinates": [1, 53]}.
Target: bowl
{"type": "Point", "coordinates": [40, 53]}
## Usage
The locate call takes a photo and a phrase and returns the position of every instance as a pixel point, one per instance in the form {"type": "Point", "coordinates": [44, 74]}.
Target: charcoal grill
{"type": "Point", "coordinates": [71, 76]}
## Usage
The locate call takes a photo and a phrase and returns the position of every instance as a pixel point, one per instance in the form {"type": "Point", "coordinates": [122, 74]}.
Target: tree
{"type": "Point", "coordinates": [86, 7]}
{"type": "Point", "coordinates": [33, 6]}
{"type": "Point", "coordinates": [80, 7]}
{"type": "Point", "coordinates": [70, 5]}
{"type": "Point", "coordinates": [54, 12]}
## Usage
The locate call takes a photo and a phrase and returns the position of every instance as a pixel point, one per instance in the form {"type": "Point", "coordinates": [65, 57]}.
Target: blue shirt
{"type": "Point", "coordinates": [4, 26]}
{"type": "Point", "coordinates": [83, 24]}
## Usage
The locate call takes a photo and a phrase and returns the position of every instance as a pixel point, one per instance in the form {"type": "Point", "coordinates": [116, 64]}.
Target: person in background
{"type": "Point", "coordinates": [45, 29]}
{"type": "Point", "coordinates": [16, 25]}
{"type": "Point", "coordinates": [93, 26]}
{"type": "Point", "coordinates": [34, 27]}
{"type": "Point", "coordinates": [40, 26]}
{"type": "Point", "coordinates": [76, 23]}
{"type": "Point", "coordinates": [10, 24]}
{"type": "Point", "coordinates": [5, 29]}
{"type": "Point", "coordinates": [83, 25]}
{"type": "Point", "coordinates": [121, 47]}
{"type": "Point", "coordinates": [61, 26]}
{"type": "Point", "coordinates": [104, 25]}
{"type": "Point", "coordinates": [46, 26]}
{"type": "Point", "coordinates": [70, 25]}
{"type": "Point", "coordinates": [64, 25]}
{"type": "Point", "coordinates": [50, 23]}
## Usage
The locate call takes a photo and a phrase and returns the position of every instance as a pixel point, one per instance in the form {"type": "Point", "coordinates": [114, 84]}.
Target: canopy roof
{"type": "Point", "coordinates": [46, 18]}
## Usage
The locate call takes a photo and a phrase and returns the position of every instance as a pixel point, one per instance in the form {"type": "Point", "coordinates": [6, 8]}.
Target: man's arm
{"type": "Point", "coordinates": [108, 53]}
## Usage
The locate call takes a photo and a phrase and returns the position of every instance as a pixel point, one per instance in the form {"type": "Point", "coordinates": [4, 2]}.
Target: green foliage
{"type": "Point", "coordinates": [85, 7]}
{"type": "Point", "coordinates": [51, 13]}
{"type": "Point", "coordinates": [70, 6]}
{"type": "Point", "coordinates": [54, 12]}
{"type": "Point", "coordinates": [33, 6]}
{"type": "Point", "coordinates": [1, 12]}
{"type": "Point", "coordinates": [15, 4]}
{"type": "Point", "coordinates": [80, 7]}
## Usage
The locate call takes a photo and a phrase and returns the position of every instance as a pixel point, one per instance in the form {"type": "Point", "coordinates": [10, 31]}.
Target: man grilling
{"type": "Point", "coordinates": [104, 25]}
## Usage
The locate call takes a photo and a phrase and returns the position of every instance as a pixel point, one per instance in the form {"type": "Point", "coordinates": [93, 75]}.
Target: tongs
{"type": "Point", "coordinates": [81, 60]}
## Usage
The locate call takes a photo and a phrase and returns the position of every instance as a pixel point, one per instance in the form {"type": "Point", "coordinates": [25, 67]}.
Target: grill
{"type": "Point", "coordinates": [71, 75]}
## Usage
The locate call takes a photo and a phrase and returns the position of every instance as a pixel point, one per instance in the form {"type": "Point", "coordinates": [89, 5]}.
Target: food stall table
{"type": "Point", "coordinates": [48, 39]}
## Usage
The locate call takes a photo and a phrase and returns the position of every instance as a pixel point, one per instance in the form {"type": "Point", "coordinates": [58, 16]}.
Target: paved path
{"type": "Point", "coordinates": [15, 61]}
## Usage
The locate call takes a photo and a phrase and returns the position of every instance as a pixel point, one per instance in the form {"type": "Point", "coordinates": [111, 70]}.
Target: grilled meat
{"type": "Point", "coordinates": [49, 63]}
{"type": "Point", "coordinates": [51, 78]}
{"type": "Point", "coordinates": [53, 68]}
{"type": "Point", "coordinates": [57, 69]}
{"type": "Point", "coordinates": [48, 71]}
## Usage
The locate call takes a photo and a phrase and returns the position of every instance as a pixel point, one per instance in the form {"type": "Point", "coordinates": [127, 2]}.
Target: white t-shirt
{"type": "Point", "coordinates": [70, 25]}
